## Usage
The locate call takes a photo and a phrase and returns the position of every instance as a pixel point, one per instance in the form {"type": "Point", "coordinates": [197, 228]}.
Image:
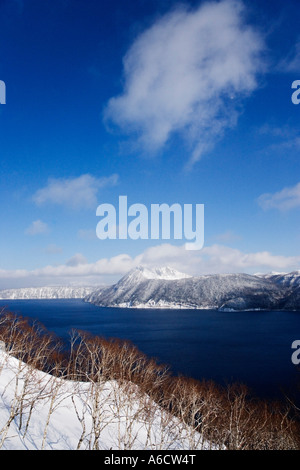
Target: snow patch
{"type": "Point", "coordinates": [41, 411]}
{"type": "Point", "coordinates": [165, 273]}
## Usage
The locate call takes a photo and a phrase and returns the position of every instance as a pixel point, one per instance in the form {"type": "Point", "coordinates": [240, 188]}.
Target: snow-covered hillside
{"type": "Point", "coordinates": [40, 411]}
{"type": "Point", "coordinates": [284, 279]}
{"type": "Point", "coordinates": [165, 273]}
{"type": "Point", "coordinates": [46, 293]}
{"type": "Point", "coordinates": [165, 288]}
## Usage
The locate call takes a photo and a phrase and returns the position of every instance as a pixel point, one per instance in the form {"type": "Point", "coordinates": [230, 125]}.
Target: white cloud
{"type": "Point", "coordinates": [186, 74]}
{"type": "Point", "coordinates": [37, 228]}
{"type": "Point", "coordinates": [209, 260]}
{"type": "Point", "coordinates": [286, 199]}
{"type": "Point", "coordinates": [76, 193]}
{"type": "Point", "coordinates": [217, 259]}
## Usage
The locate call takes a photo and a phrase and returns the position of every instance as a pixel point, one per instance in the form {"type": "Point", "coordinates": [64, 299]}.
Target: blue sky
{"type": "Point", "coordinates": [164, 102]}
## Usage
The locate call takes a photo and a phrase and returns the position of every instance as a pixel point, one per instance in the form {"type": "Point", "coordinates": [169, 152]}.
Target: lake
{"type": "Point", "coordinates": [251, 347]}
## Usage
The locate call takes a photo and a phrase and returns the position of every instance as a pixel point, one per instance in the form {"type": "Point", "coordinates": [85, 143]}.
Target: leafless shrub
{"type": "Point", "coordinates": [202, 414]}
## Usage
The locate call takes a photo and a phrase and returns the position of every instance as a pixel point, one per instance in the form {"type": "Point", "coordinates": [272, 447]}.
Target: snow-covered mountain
{"type": "Point", "coordinates": [46, 293]}
{"type": "Point", "coordinates": [165, 288]}
{"type": "Point", "coordinates": [284, 279]}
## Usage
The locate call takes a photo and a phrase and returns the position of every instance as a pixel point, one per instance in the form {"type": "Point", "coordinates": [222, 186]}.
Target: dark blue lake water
{"type": "Point", "coordinates": [250, 347]}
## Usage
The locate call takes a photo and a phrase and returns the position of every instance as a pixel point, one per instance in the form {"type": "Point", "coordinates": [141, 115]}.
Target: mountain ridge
{"type": "Point", "coordinates": [46, 292]}
{"type": "Point", "coordinates": [213, 291]}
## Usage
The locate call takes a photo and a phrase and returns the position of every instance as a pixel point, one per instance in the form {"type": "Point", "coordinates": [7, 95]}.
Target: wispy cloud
{"type": "Point", "coordinates": [291, 63]}
{"type": "Point", "coordinates": [75, 193]}
{"type": "Point", "coordinates": [284, 138]}
{"type": "Point", "coordinates": [227, 237]}
{"type": "Point", "coordinates": [53, 249]}
{"type": "Point", "coordinates": [187, 74]}
{"type": "Point", "coordinates": [37, 227]}
{"type": "Point", "coordinates": [87, 234]}
{"type": "Point", "coordinates": [284, 200]}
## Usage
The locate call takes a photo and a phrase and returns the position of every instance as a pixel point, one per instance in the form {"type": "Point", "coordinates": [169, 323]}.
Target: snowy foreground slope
{"type": "Point", "coordinates": [40, 411]}
{"type": "Point", "coordinates": [143, 288]}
